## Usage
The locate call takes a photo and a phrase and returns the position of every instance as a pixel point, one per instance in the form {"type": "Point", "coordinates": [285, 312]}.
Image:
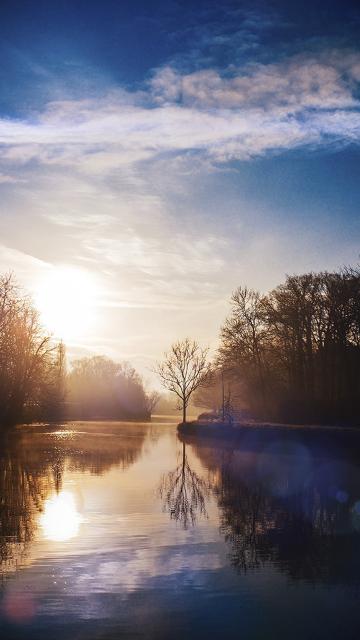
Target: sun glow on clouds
{"type": "Point", "coordinates": [60, 520]}
{"type": "Point", "coordinates": [66, 299]}
{"type": "Point", "coordinates": [136, 183]}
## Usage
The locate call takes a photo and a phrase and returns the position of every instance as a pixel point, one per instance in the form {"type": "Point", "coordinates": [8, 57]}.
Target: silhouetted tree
{"type": "Point", "coordinates": [27, 355]}
{"type": "Point", "coordinates": [184, 369]}
{"type": "Point", "coordinates": [54, 387]}
{"type": "Point", "coordinates": [244, 341]}
{"type": "Point", "coordinates": [296, 351]}
{"type": "Point", "coordinates": [152, 399]}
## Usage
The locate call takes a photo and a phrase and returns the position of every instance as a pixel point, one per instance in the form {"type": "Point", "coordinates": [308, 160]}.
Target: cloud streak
{"type": "Point", "coordinates": [119, 185]}
{"type": "Point", "coordinates": [245, 113]}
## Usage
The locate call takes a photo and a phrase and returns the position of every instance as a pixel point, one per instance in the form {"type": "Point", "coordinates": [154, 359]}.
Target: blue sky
{"type": "Point", "coordinates": [167, 152]}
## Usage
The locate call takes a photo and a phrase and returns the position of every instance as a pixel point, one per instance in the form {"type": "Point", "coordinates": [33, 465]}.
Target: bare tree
{"type": "Point", "coordinates": [184, 369]}
{"type": "Point", "coordinates": [244, 336]}
{"type": "Point", "coordinates": [26, 354]}
{"type": "Point", "coordinates": [296, 351]}
{"type": "Point", "coordinates": [152, 398]}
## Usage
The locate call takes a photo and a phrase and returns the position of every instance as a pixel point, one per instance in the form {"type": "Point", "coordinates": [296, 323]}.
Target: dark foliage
{"type": "Point", "coordinates": [32, 367]}
{"type": "Point", "coordinates": [295, 353]}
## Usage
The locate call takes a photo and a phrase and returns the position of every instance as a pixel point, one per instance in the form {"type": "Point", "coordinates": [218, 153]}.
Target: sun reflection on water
{"type": "Point", "coordinates": [60, 520]}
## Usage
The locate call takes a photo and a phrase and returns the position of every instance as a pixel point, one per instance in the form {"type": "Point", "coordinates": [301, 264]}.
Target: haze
{"type": "Point", "coordinates": [155, 156]}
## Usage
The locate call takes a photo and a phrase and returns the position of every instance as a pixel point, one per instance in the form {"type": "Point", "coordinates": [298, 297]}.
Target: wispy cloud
{"type": "Point", "coordinates": [242, 114]}
{"type": "Point", "coordinates": [6, 179]}
{"type": "Point", "coordinates": [113, 183]}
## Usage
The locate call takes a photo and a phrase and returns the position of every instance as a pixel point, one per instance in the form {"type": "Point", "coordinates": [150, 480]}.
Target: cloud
{"type": "Point", "coordinates": [24, 265]}
{"type": "Point", "coordinates": [245, 113]}
{"type": "Point", "coordinates": [153, 273]}
{"type": "Point", "coordinates": [122, 185]}
{"type": "Point", "coordinates": [284, 88]}
{"type": "Point", "coordinates": [6, 179]}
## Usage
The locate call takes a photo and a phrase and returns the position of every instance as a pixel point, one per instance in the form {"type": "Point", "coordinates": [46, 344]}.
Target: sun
{"type": "Point", "coordinates": [60, 520]}
{"type": "Point", "coordinates": [65, 298]}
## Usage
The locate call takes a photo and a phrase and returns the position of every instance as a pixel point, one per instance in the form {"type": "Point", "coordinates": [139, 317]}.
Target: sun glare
{"type": "Point", "coordinates": [60, 520]}
{"type": "Point", "coordinates": [65, 298]}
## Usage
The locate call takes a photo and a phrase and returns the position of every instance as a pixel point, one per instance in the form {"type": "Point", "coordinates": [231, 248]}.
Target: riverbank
{"type": "Point", "coordinates": [253, 435]}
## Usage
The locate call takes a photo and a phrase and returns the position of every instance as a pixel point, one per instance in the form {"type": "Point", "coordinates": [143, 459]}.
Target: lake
{"type": "Point", "coordinates": [123, 530]}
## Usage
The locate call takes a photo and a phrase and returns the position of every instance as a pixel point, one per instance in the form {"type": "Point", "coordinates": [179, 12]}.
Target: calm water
{"type": "Point", "coordinates": [112, 530]}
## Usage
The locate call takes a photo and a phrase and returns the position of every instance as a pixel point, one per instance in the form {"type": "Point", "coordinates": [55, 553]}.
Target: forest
{"type": "Point", "coordinates": [35, 385]}
{"type": "Point", "coordinates": [292, 355]}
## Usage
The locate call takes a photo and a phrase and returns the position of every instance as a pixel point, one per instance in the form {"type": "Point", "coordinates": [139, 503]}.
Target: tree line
{"type": "Point", "coordinates": [32, 366]}
{"type": "Point", "coordinates": [291, 355]}
{"type": "Point", "coordinates": [294, 354]}
{"type": "Point", "coordinates": [99, 387]}
{"type": "Point", "coordinates": [34, 382]}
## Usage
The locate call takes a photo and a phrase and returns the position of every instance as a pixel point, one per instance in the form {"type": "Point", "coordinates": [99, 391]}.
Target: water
{"type": "Point", "coordinates": [111, 530]}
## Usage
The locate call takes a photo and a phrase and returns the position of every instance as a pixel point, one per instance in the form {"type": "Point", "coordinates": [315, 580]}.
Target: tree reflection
{"type": "Point", "coordinates": [310, 532]}
{"type": "Point", "coordinates": [184, 493]}
{"type": "Point", "coordinates": [22, 492]}
{"type": "Point", "coordinates": [32, 466]}
{"type": "Point", "coordinates": [244, 518]}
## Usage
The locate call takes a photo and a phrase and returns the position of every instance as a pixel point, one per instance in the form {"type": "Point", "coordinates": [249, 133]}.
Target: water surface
{"type": "Point", "coordinates": [111, 530]}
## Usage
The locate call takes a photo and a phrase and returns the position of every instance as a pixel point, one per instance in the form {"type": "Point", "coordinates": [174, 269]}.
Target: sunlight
{"type": "Point", "coordinates": [65, 298]}
{"type": "Point", "coordinates": [60, 520]}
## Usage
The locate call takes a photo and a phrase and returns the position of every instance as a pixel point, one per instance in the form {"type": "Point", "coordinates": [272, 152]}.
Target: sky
{"type": "Point", "coordinates": [157, 155]}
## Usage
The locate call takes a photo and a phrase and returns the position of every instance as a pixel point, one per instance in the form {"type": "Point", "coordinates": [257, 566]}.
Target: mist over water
{"type": "Point", "coordinates": [112, 530]}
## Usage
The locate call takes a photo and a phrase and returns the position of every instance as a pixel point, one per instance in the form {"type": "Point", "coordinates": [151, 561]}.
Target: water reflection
{"type": "Point", "coordinates": [102, 552]}
{"type": "Point", "coordinates": [60, 520]}
{"type": "Point", "coordinates": [184, 492]}
{"type": "Point", "coordinates": [32, 467]}
{"type": "Point", "coordinates": [298, 513]}
{"type": "Point", "coordinates": [22, 490]}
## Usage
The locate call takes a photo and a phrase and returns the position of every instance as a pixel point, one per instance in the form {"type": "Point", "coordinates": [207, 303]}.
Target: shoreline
{"type": "Point", "coordinates": [253, 425]}
{"type": "Point", "coordinates": [257, 435]}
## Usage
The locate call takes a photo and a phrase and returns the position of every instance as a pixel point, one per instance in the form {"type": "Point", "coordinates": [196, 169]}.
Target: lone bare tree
{"type": "Point", "coordinates": [152, 399]}
{"type": "Point", "coordinates": [184, 369]}
{"type": "Point", "coordinates": [28, 357]}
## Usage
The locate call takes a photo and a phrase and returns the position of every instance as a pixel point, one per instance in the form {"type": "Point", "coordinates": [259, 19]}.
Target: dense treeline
{"type": "Point", "coordinates": [100, 387]}
{"type": "Point", "coordinates": [34, 383]}
{"type": "Point", "coordinates": [294, 354]}
{"type": "Point", "coordinates": [291, 355]}
{"type": "Point", "coordinates": [31, 365]}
